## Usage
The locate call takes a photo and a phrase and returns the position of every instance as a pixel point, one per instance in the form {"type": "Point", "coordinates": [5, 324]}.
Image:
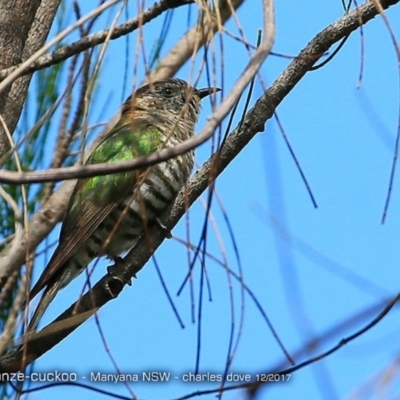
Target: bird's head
{"type": "Point", "coordinates": [169, 99]}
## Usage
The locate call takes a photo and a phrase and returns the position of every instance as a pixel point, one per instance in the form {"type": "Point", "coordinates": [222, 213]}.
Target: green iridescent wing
{"type": "Point", "coordinates": [93, 199]}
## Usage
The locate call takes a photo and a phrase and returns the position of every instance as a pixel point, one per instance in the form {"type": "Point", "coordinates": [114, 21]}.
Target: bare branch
{"type": "Point", "coordinates": [65, 52]}
{"type": "Point", "coordinates": [8, 333]}
{"type": "Point", "coordinates": [192, 41]}
{"type": "Point", "coordinates": [18, 239]}
{"type": "Point", "coordinates": [39, 227]}
{"type": "Point", "coordinates": [22, 68]}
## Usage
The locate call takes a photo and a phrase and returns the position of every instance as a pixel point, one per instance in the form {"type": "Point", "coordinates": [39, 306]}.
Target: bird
{"type": "Point", "coordinates": [107, 215]}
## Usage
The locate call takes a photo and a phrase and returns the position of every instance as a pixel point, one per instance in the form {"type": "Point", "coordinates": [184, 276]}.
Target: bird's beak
{"type": "Point", "coordinates": [206, 91]}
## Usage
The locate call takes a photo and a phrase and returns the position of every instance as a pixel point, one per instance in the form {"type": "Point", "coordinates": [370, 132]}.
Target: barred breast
{"type": "Point", "coordinates": [126, 224]}
{"type": "Point", "coordinates": [142, 206]}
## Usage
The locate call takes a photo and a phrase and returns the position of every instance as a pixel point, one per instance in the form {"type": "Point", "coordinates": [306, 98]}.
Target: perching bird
{"type": "Point", "coordinates": [107, 214]}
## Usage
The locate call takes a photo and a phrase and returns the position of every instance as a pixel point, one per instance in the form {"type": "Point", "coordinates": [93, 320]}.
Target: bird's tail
{"type": "Point", "coordinates": [45, 300]}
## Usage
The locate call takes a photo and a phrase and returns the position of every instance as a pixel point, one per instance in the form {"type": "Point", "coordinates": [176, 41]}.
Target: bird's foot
{"type": "Point", "coordinates": [118, 270]}
{"type": "Point", "coordinates": [167, 232]}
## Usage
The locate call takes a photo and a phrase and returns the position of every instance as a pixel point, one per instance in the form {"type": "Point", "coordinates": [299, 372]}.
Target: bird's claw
{"type": "Point", "coordinates": [118, 270]}
{"type": "Point", "coordinates": [168, 233]}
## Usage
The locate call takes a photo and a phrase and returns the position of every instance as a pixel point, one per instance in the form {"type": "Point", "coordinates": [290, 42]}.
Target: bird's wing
{"type": "Point", "coordinates": [51, 278]}
{"type": "Point", "coordinates": [69, 244]}
{"type": "Point", "coordinates": [95, 198]}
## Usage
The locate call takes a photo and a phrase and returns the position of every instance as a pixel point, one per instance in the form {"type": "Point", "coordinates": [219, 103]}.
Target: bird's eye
{"type": "Point", "coordinates": [168, 92]}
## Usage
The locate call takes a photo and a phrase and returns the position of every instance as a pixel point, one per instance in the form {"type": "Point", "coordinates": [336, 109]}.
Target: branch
{"type": "Point", "coordinates": [193, 40]}
{"type": "Point", "coordinates": [20, 69]}
{"type": "Point", "coordinates": [16, 21]}
{"type": "Point", "coordinates": [39, 227]}
{"type": "Point", "coordinates": [90, 41]}
{"type": "Point", "coordinates": [381, 309]}
{"type": "Point", "coordinates": [37, 36]}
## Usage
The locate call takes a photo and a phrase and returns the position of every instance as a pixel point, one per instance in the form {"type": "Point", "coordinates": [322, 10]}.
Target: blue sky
{"type": "Point", "coordinates": [309, 268]}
